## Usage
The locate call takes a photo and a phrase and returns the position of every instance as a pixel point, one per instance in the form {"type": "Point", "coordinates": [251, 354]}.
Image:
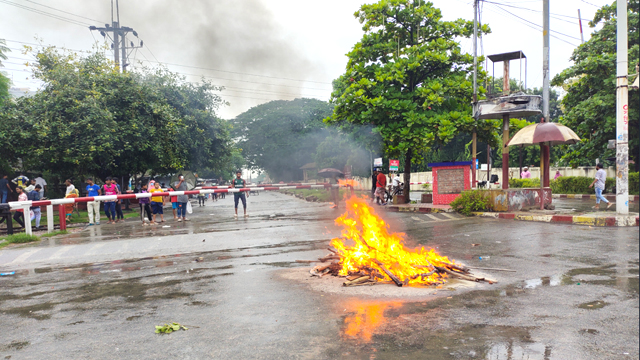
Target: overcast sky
{"type": "Point", "coordinates": [263, 50]}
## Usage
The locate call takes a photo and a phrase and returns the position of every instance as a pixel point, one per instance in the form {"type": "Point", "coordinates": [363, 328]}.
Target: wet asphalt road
{"type": "Point", "coordinates": [99, 293]}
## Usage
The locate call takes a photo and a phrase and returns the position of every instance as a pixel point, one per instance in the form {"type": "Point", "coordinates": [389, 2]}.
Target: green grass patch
{"type": "Point", "coordinates": [84, 216]}
{"type": "Point", "coordinates": [54, 233]}
{"type": "Point", "coordinates": [18, 239]}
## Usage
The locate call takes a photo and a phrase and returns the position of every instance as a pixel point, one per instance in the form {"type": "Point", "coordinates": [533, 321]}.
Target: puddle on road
{"type": "Point", "coordinates": [393, 329]}
{"type": "Point", "coordinates": [593, 305]}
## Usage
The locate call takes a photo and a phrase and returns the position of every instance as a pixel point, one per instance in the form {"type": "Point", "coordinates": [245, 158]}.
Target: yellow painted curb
{"type": "Point", "coordinates": [584, 220]}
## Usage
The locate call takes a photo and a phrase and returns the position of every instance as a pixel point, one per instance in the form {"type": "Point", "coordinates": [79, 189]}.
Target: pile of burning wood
{"type": "Point", "coordinates": [368, 254]}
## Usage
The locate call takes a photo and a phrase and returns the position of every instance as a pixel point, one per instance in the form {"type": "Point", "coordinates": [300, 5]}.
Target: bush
{"type": "Point", "coordinates": [470, 201]}
{"type": "Point", "coordinates": [524, 183]}
{"type": "Point", "coordinates": [634, 183]}
{"type": "Point", "coordinates": [578, 185]}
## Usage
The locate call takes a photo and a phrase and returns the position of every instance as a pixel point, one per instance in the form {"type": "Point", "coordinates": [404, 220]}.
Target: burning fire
{"type": "Point", "coordinates": [348, 182]}
{"type": "Point", "coordinates": [377, 249]}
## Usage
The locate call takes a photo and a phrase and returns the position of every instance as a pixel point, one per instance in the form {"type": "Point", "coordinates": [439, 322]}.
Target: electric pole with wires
{"type": "Point", "coordinates": [119, 39]}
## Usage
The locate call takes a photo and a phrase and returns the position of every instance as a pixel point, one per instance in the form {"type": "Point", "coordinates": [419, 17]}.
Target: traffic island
{"type": "Point", "coordinates": [423, 208]}
{"type": "Point", "coordinates": [602, 218]}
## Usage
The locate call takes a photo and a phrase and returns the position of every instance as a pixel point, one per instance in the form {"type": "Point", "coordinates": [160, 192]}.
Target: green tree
{"type": "Point", "coordinates": [5, 82]}
{"type": "Point", "coordinates": [409, 79]}
{"type": "Point", "coordinates": [281, 136]}
{"type": "Point", "coordinates": [590, 102]}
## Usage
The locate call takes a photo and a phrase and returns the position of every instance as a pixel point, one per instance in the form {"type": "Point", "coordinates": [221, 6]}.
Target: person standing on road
{"type": "Point", "coordinates": [145, 207]}
{"type": "Point", "coordinates": [525, 173]}
{"type": "Point", "coordinates": [93, 207]}
{"type": "Point", "coordinates": [109, 188]}
{"type": "Point", "coordinates": [239, 183]}
{"type": "Point", "coordinates": [19, 215]}
{"type": "Point", "coordinates": [43, 185]}
{"type": "Point", "coordinates": [599, 181]}
{"type": "Point", "coordinates": [157, 202]}
{"type": "Point", "coordinates": [119, 213]}
{"type": "Point", "coordinates": [381, 184]}
{"type": "Point", "coordinates": [34, 195]}
{"type": "Point", "coordinates": [374, 179]}
{"type": "Point", "coordinates": [5, 188]}
{"type": "Point", "coordinates": [181, 185]}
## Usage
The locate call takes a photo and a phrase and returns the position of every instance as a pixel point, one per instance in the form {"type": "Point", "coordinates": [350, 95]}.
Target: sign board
{"type": "Point", "coordinates": [477, 162]}
{"type": "Point", "coordinates": [483, 167]}
{"type": "Point", "coordinates": [377, 162]}
{"type": "Point", "coordinates": [393, 165]}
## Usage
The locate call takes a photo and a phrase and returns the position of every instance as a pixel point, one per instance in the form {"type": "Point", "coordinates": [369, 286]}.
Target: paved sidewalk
{"type": "Point", "coordinates": [610, 197]}
{"type": "Point", "coordinates": [423, 208]}
{"type": "Point", "coordinates": [603, 218]}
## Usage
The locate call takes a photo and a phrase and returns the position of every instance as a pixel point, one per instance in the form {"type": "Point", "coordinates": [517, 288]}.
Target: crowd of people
{"type": "Point", "coordinates": [151, 208]}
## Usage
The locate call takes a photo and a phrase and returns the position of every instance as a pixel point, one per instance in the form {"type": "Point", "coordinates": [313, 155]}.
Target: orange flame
{"type": "Point", "coordinates": [374, 242]}
{"type": "Point", "coordinates": [348, 182]}
{"type": "Point", "coordinates": [366, 318]}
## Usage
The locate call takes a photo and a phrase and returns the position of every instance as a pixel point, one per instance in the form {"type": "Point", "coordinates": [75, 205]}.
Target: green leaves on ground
{"type": "Point", "coordinates": [169, 328]}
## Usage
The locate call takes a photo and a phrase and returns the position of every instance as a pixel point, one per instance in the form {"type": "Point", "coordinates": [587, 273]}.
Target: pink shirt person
{"type": "Point", "coordinates": [525, 174]}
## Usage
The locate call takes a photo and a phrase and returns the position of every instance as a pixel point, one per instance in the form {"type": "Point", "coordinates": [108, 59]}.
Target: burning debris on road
{"type": "Point", "coordinates": [377, 256]}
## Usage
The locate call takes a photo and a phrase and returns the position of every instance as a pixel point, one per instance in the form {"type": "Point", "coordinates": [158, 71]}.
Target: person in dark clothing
{"type": "Point", "coordinates": [374, 179]}
{"type": "Point", "coordinates": [145, 206]}
{"type": "Point", "coordinates": [119, 213]}
{"type": "Point", "coordinates": [239, 183]}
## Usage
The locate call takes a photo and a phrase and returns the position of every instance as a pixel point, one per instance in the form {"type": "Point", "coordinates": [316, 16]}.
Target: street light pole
{"type": "Point", "coordinates": [475, 91]}
{"type": "Point", "coordinates": [622, 112]}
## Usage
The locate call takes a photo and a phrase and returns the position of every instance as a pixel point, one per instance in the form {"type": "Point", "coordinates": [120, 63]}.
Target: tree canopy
{"type": "Point", "coordinates": [590, 102]}
{"type": "Point", "coordinates": [409, 79]}
{"type": "Point", "coordinates": [90, 119]}
{"type": "Point", "coordinates": [281, 136]}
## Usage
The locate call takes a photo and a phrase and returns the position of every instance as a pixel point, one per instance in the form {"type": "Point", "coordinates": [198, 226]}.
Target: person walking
{"type": "Point", "coordinates": [381, 184]}
{"type": "Point", "coordinates": [599, 181]}
{"type": "Point", "coordinates": [525, 173]}
{"type": "Point", "coordinates": [239, 183]}
{"type": "Point", "coordinates": [43, 185]}
{"type": "Point", "coordinates": [93, 207]}
{"type": "Point", "coordinates": [21, 180]}
{"type": "Point", "coordinates": [181, 185]}
{"type": "Point", "coordinates": [5, 188]}
{"type": "Point", "coordinates": [157, 203]}
{"type": "Point", "coordinates": [145, 207]}
{"type": "Point", "coordinates": [109, 189]}
{"type": "Point", "coordinates": [70, 187]}
{"type": "Point", "coordinates": [34, 195]}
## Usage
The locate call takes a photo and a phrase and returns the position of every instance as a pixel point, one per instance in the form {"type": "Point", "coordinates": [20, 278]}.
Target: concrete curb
{"type": "Point", "coordinates": [426, 210]}
{"type": "Point", "coordinates": [585, 219]}
{"type": "Point", "coordinates": [632, 198]}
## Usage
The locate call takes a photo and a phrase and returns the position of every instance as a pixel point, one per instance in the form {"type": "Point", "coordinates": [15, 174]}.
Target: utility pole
{"type": "Point", "coordinates": [622, 113]}
{"type": "Point", "coordinates": [119, 38]}
{"type": "Point", "coordinates": [475, 92]}
{"type": "Point", "coordinates": [505, 127]}
{"type": "Point", "coordinates": [544, 149]}
{"type": "Point", "coordinates": [580, 22]}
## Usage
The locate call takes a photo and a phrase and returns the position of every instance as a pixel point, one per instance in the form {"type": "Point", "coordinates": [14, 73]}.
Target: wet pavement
{"type": "Point", "coordinates": [100, 293]}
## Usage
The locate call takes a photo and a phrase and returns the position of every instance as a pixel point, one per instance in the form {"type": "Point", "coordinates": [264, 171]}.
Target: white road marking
{"type": "Point", "coordinates": [95, 247]}
{"type": "Point", "coordinates": [63, 250]}
{"type": "Point", "coordinates": [22, 257]}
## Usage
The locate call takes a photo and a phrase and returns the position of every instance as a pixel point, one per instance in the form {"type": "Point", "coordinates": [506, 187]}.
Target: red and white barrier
{"type": "Point", "coordinates": [26, 205]}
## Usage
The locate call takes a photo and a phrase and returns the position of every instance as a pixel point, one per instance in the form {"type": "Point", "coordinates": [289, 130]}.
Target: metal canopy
{"type": "Point", "coordinates": [515, 105]}
{"type": "Point", "coordinates": [507, 56]}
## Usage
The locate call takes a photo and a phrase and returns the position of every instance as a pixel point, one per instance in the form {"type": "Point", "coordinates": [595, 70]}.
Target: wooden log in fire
{"type": "Point", "coordinates": [389, 273]}
{"type": "Point", "coordinates": [359, 280]}
{"type": "Point", "coordinates": [468, 277]}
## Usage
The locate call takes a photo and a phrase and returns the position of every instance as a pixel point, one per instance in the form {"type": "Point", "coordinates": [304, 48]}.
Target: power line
{"type": "Point", "coordinates": [62, 11]}
{"type": "Point", "coordinates": [591, 4]}
{"type": "Point", "coordinates": [239, 73]}
{"type": "Point", "coordinates": [537, 27]}
{"type": "Point", "coordinates": [41, 12]}
{"type": "Point", "coordinates": [524, 8]}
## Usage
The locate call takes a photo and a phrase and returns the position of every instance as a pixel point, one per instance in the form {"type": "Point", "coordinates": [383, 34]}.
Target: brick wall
{"type": "Point", "coordinates": [447, 179]}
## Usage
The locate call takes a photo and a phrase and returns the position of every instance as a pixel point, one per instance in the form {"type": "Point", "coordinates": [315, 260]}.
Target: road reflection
{"type": "Point", "coordinates": [364, 318]}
